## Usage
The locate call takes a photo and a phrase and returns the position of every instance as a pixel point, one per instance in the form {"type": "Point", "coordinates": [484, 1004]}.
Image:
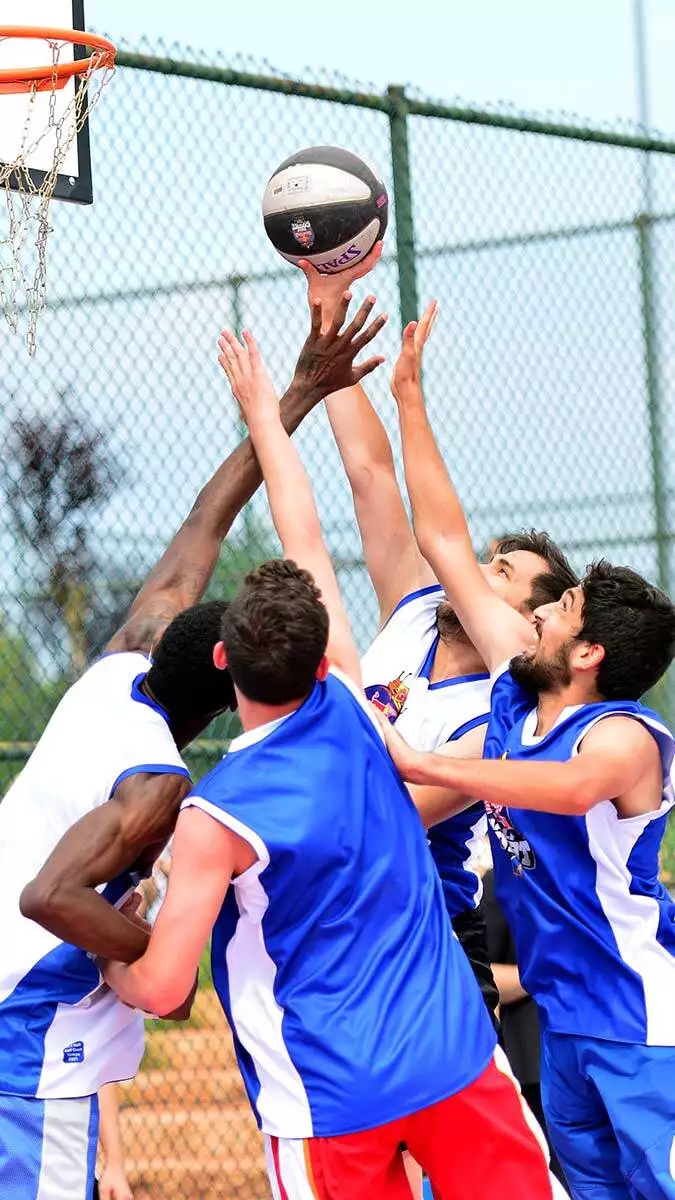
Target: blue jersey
{"type": "Point", "coordinates": [594, 927]}
{"type": "Point", "coordinates": [396, 674]}
{"type": "Point", "coordinates": [350, 1002]}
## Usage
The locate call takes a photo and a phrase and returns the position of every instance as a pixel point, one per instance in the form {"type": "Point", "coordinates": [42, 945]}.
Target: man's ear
{"type": "Point", "coordinates": [322, 669]}
{"type": "Point", "coordinates": [220, 656]}
{"type": "Point", "coordinates": [587, 656]}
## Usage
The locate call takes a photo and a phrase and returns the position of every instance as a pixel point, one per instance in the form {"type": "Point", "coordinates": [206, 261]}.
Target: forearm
{"type": "Point", "coordinates": [543, 786]}
{"type": "Point", "coordinates": [150, 985]}
{"type": "Point", "coordinates": [81, 917]}
{"type": "Point", "coordinates": [508, 983]}
{"type": "Point", "coordinates": [435, 504]}
{"type": "Point", "coordinates": [109, 1126]}
{"type": "Point", "coordinates": [359, 433]}
{"type": "Point", "coordinates": [288, 489]}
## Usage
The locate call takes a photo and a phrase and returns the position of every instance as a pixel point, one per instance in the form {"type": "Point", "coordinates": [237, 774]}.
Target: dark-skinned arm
{"type": "Point", "coordinates": [137, 821]}
{"type": "Point", "coordinates": [182, 575]}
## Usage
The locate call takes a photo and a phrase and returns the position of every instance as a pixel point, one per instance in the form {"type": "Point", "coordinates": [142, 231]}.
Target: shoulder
{"type": "Point", "coordinates": [414, 614]}
{"type": "Point", "coordinates": [346, 692]}
{"type": "Point", "coordinates": [624, 733]}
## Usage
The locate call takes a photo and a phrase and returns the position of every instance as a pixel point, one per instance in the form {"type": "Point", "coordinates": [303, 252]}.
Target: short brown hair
{"type": "Point", "coordinates": [550, 585]}
{"type": "Point", "coordinates": [275, 633]}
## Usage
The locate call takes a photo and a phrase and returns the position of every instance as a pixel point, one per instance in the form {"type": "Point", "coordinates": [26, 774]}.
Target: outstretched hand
{"type": "Point", "coordinates": [408, 369]}
{"type": "Point", "coordinates": [251, 386]}
{"type": "Point", "coordinates": [326, 362]}
{"type": "Point", "coordinates": [329, 289]}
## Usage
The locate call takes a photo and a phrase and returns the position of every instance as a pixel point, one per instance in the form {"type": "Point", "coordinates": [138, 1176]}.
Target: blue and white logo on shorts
{"type": "Point", "coordinates": [74, 1053]}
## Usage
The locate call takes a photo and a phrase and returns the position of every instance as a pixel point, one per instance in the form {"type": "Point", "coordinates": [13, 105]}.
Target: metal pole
{"type": "Point", "coordinates": [649, 311]}
{"type": "Point", "coordinates": [405, 233]}
{"type": "Point", "coordinates": [642, 90]}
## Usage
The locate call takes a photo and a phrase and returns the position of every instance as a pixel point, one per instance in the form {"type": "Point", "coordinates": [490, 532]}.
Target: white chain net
{"type": "Point", "coordinates": [23, 243]}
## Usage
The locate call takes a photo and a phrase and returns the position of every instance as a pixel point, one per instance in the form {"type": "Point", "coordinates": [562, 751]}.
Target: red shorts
{"type": "Point", "coordinates": [468, 1144]}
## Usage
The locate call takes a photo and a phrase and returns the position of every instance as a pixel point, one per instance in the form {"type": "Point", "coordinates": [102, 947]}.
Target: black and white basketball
{"type": "Point", "coordinates": [326, 205]}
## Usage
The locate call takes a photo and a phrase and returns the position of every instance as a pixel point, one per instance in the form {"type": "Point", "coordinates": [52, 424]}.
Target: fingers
{"type": "Point", "coordinates": [367, 368]}
{"type": "Point", "coordinates": [366, 264]}
{"type": "Point", "coordinates": [409, 335]}
{"type": "Point", "coordinates": [317, 317]}
{"type": "Point", "coordinates": [309, 270]}
{"type": "Point", "coordinates": [340, 314]}
{"type": "Point", "coordinates": [426, 324]}
{"type": "Point", "coordinates": [371, 332]}
{"type": "Point", "coordinates": [252, 347]}
{"type": "Point", "coordinates": [360, 319]}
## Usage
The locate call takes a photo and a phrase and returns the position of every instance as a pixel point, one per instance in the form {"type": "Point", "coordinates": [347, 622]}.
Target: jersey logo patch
{"type": "Point", "coordinates": [74, 1053]}
{"type": "Point", "coordinates": [511, 839]}
{"type": "Point", "coordinates": [390, 698]}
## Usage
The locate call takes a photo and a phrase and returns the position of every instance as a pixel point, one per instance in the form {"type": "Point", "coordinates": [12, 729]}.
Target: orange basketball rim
{"type": "Point", "coordinates": [55, 75]}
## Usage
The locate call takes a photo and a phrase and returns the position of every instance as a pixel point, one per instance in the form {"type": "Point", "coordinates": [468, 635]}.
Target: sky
{"type": "Point", "coordinates": [575, 56]}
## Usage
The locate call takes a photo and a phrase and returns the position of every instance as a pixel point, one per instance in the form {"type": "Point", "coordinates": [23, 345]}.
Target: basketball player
{"type": "Point", "coordinates": [98, 800]}
{"type": "Point", "coordinates": [421, 669]}
{"type": "Point", "coordinates": [577, 868]}
{"type": "Point", "coordinates": [357, 1022]}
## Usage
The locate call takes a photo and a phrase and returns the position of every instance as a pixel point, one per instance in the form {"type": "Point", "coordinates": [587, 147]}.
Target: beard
{"type": "Point", "coordinates": [543, 675]}
{"type": "Point", "coordinates": [448, 625]}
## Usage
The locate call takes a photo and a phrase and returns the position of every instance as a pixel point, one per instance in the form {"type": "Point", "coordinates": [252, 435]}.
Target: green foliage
{"type": "Point", "coordinates": [26, 700]}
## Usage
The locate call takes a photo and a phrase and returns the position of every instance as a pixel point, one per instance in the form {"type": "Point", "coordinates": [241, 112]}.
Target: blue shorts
{"type": "Point", "coordinates": [47, 1148]}
{"type": "Point", "coordinates": [610, 1111]}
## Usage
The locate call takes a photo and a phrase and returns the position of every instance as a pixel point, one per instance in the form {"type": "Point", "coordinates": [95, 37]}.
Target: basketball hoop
{"type": "Point", "coordinates": [50, 128]}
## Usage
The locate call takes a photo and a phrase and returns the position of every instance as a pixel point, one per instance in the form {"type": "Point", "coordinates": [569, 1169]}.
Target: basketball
{"type": "Point", "coordinates": [326, 205]}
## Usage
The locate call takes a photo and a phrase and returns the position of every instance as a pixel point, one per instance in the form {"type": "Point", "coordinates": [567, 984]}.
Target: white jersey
{"type": "Point", "coordinates": [396, 676]}
{"type": "Point", "coordinates": [63, 1033]}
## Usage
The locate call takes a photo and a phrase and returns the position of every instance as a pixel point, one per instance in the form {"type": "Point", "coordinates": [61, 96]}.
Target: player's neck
{"type": "Point", "coordinates": [252, 714]}
{"type": "Point", "coordinates": [551, 704]}
{"type": "Point", "coordinates": [455, 655]}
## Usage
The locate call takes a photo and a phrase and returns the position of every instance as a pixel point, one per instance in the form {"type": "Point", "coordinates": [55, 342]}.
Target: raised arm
{"type": "Point", "coordinates": [288, 488]}
{"type": "Point", "coordinates": [497, 631]}
{"type": "Point", "coordinates": [182, 574]}
{"type": "Point", "coordinates": [391, 554]}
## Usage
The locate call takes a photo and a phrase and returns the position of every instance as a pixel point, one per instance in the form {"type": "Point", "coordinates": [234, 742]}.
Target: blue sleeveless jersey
{"type": "Point", "coordinates": [594, 927]}
{"type": "Point", "coordinates": [350, 1002]}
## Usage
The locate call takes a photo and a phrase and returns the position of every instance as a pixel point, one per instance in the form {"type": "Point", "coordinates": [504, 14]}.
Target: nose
{"type": "Point", "coordinates": [541, 614]}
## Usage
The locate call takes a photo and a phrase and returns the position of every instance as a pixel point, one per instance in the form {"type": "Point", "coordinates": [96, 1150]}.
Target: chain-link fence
{"type": "Point", "coordinates": [551, 248]}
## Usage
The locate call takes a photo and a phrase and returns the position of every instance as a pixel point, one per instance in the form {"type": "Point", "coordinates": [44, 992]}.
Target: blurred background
{"type": "Point", "coordinates": [547, 236]}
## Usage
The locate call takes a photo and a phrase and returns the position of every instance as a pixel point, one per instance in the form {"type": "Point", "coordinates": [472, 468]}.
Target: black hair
{"type": "Point", "coordinates": [634, 622]}
{"type": "Point", "coordinates": [183, 677]}
{"type": "Point", "coordinates": [275, 632]}
{"type": "Point", "coordinates": [549, 585]}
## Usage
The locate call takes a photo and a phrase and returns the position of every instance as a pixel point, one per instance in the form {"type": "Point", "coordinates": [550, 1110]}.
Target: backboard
{"type": "Point", "coordinates": [24, 117]}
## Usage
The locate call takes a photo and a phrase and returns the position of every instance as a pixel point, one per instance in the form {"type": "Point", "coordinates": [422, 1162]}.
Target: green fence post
{"type": "Point", "coordinates": [643, 225]}
{"type": "Point", "coordinates": [405, 233]}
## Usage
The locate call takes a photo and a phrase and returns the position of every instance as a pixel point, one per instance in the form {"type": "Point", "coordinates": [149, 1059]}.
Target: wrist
{"type": "Point", "coordinates": [300, 398]}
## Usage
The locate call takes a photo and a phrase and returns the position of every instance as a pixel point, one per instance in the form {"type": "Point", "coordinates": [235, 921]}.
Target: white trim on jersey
{"type": "Point", "coordinates": [64, 1167]}
{"type": "Point", "coordinates": [292, 1174]}
{"type": "Point", "coordinates": [627, 912]}
{"type": "Point", "coordinates": [257, 1017]}
{"type": "Point", "coordinates": [238, 827]}
{"type": "Point", "coordinates": [250, 737]}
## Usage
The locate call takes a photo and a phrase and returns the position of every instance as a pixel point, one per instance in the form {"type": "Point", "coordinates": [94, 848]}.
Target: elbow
{"type": "Point", "coordinates": [37, 902]}
{"type": "Point", "coordinates": [370, 476]}
{"type": "Point", "coordinates": [578, 798]}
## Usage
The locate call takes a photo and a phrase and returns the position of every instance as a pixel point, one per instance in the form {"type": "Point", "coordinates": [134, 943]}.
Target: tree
{"type": "Point", "coordinates": [58, 473]}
